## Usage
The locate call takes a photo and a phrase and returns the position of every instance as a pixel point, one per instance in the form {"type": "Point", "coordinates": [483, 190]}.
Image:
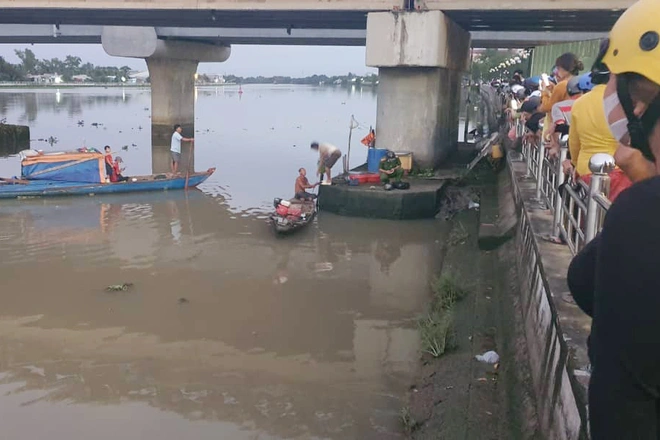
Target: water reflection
{"type": "Point", "coordinates": [308, 337]}
{"type": "Point", "coordinates": [29, 103]}
{"type": "Point", "coordinates": [227, 332]}
{"type": "Point", "coordinates": [257, 139]}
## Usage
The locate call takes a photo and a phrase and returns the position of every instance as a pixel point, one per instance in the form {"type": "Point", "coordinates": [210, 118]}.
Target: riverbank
{"type": "Point", "coordinates": [455, 395]}
{"type": "Point", "coordinates": [31, 85]}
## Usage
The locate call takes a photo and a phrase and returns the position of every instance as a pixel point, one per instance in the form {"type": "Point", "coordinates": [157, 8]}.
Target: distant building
{"type": "Point", "coordinates": [80, 78]}
{"type": "Point", "coordinates": [209, 78]}
{"type": "Point", "coordinates": [216, 79]}
{"type": "Point", "coordinates": [136, 77]}
{"type": "Point", "coordinates": [45, 78]}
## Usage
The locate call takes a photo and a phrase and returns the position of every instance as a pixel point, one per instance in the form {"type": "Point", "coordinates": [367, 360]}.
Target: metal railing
{"type": "Point", "coordinates": [578, 209]}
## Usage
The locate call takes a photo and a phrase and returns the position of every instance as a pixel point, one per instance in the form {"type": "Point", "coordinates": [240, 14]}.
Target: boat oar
{"type": "Point", "coordinates": [192, 145]}
{"type": "Point", "coordinates": [7, 180]}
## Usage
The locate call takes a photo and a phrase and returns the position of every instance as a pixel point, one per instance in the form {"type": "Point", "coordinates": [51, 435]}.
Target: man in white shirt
{"type": "Point", "coordinates": [175, 147]}
{"type": "Point", "coordinates": [328, 157]}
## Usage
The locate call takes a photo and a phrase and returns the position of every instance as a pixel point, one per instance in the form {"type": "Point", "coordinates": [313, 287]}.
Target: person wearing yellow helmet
{"type": "Point", "coordinates": [615, 278]}
{"type": "Point", "coordinates": [631, 101]}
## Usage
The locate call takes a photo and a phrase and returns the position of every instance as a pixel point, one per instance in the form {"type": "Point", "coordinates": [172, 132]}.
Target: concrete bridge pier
{"type": "Point", "coordinates": [172, 66]}
{"type": "Point", "coordinates": [421, 56]}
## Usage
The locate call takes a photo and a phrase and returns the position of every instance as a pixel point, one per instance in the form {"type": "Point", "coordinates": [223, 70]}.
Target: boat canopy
{"type": "Point", "coordinates": [88, 167]}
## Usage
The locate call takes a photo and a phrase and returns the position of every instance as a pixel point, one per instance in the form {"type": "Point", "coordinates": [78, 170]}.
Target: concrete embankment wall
{"type": "Point", "coordinates": [560, 400]}
{"type": "Point", "coordinates": [13, 138]}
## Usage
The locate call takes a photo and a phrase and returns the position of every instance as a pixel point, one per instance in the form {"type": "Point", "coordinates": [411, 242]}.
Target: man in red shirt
{"type": "Point", "coordinates": [108, 162]}
{"type": "Point", "coordinates": [116, 171]}
{"type": "Point", "coordinates": [302, 184]}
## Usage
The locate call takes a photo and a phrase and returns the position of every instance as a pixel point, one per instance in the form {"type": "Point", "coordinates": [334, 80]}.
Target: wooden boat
{"type": "Point", "coordinates": [286, 223]}
{"type": "Point", "coordinates": [17, 188]}
{"type": "Point", "coordinates": [73, 173]}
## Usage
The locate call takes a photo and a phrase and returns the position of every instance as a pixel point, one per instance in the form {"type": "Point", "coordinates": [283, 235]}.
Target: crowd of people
{"type": "Point", "coordinates": [569, 102]}
{"type": "Point", "coordinates": [614, 108]}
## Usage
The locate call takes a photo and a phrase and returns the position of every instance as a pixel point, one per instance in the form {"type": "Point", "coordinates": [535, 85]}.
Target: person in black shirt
{"type": "Point", "coordinates": [616, 277]}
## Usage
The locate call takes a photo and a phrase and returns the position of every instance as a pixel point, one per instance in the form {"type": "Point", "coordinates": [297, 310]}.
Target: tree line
{"type": "Point", "coordinates": [73, 65]}
{"type": "Point", "coordinates": [66, 68]}
{"type": "Point", "coordinates": [312, 80]}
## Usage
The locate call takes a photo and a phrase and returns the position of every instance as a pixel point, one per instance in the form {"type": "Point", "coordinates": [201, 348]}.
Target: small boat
{"type": "Point", "coordinates": [14, 188]}
{"type": "Point", "coordinates": [291, 215]}
{"type": "Point", "coordinates": [75, 173]}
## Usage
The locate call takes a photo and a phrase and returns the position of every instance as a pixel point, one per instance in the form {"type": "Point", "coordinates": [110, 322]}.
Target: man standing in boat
{"type": "Point", "coordinates": [328, 157]}
{"type": "Point", "coordinates": [108, 161]}
{"type": "Point", "coordinates": [302, 184]}
{"type": "Point", "coordinates": [175, 148]}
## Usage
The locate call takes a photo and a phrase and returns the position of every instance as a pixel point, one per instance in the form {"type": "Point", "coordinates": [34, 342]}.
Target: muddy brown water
{"type": "Point", "coordinates": [226, 332]}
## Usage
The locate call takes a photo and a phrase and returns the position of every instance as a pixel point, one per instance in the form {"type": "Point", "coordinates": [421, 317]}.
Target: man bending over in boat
{"type": "Point", "coordinates": [328, 157]}
{"type": "Point", "coordinates": [302, 184]}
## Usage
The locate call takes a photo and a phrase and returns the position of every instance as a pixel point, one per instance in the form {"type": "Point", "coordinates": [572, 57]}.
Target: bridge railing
{"type": "Point", "coordinates": [578, 209]}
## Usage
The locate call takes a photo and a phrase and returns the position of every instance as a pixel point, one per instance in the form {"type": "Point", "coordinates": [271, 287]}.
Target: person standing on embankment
{"type": "Point", "coordinates": [328, 157]}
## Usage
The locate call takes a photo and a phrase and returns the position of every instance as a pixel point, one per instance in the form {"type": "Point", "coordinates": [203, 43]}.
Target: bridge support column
{"type": "Point", "coordinates": [172, 91]}
{"type": "Point", "coordinates": [420, 57]}
{"type": "Point", "coordinates": [172, 66]}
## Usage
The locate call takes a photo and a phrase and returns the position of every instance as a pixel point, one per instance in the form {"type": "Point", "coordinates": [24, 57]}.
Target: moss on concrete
{"type": "Point", "coordinates": [13, 138]}
{"type": "Point", "coordinates": [422, 200]}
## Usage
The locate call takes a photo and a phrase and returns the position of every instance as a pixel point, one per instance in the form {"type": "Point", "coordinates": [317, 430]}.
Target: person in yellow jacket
{"type": "Point", "coordinates": [589, 133]}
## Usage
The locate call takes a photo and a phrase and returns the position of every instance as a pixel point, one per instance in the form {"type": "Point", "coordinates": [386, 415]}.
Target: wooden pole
{"type": "Point", "coordinates": [350, 133]}
{"type": "Point", "coordinates": [192, 146]}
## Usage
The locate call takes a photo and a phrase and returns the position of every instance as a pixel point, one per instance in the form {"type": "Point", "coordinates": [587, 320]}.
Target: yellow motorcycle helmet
{"type": "Point", "coordinates": [634, 41]}
{"type": "Point", "coordinates": [633, 48]}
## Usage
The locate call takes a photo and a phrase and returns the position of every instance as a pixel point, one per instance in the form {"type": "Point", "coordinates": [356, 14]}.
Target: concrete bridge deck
{"type": "Point", "coordinates": [472, 15]}
{"type": "Point", "coordinates": [86, 34]}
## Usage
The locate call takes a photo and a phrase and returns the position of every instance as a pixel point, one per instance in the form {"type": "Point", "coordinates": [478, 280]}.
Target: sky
{"type": "Point", "coordinates": [295, 61]}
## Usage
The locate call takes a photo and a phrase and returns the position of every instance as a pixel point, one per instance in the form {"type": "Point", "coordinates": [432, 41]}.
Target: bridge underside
{"type": "Point", "coordinates": [79, 34]}
{"type": "Point", "coordinates": [515, 20]}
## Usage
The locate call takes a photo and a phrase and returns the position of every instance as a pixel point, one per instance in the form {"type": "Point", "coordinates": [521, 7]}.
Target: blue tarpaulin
{"type": "Point", "coordinates": [69, 167]}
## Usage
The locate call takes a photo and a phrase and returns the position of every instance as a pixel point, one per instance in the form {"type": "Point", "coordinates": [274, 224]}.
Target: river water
{"type": "Point", "coordinates": [226, 332]}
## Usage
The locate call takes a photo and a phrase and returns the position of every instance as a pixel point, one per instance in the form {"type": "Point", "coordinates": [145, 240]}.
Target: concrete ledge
{"type": "Point", "coordinates": [13, 138]}
{"type": "Point", "coordinates": [555, 328]}
{"type": "Point", "coordinates": [422, 200]}
{"type": "Point", "coordinates": [498, 217]}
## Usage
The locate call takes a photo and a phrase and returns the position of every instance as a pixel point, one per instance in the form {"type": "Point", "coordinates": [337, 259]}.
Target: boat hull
{"type": "Point", "coordinates": [47, 188]}
{"type": "Point", "coordinates": [283, 225]}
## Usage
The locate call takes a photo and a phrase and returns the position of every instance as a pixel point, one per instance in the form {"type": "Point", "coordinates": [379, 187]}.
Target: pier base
{"type": "Point", "coordinates": [422, 200]}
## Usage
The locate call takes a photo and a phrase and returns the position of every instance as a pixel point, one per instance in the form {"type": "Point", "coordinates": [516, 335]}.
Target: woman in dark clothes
{"type": "Point", "coordinates": [616, 277]}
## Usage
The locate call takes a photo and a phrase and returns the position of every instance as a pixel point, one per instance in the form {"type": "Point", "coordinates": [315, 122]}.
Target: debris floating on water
{"type": "Point", "coordinates": [119, 287]}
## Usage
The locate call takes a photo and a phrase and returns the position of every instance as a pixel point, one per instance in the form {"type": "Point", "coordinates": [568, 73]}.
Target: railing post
{"type": "Point", "coordinates": [539, 171]}
{"type": "Point", "coordinates": [600, 165]}
{"type": "Point", "coordinates": [591, 220]}
{"type": "Point", "coordinates": [528, 158]}
{"type": "Point", "coordinates": [559, 201]}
